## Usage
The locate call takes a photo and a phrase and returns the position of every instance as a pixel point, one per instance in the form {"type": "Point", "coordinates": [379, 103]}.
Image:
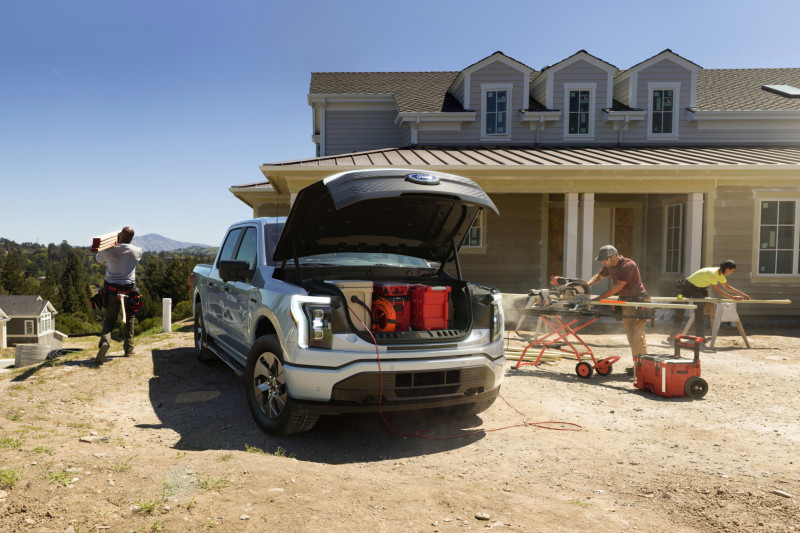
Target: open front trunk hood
{"type": "Point", "coordinates": [407, 212]}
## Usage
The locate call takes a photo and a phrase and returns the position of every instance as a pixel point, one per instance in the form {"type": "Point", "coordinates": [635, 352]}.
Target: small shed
{"type": "Point", "coordinates": [28, 319]}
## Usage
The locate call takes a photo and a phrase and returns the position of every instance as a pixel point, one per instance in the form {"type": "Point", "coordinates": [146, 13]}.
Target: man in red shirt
{"type": "Point", "coordinates": [627, 284]}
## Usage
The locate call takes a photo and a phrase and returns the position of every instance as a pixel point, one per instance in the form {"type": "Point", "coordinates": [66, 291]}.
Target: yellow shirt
{"type": "Point", "coordinates": [706, 277]}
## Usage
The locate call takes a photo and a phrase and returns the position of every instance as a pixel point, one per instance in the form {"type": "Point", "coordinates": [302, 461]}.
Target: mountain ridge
{"type": "Point", "coordinates": [152, 242]}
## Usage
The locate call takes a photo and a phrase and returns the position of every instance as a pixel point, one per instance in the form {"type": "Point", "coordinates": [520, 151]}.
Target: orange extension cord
{"type": "Point", "coordinates": [384, 317]}
{"type": "Point", "coordinates": [429, 434]}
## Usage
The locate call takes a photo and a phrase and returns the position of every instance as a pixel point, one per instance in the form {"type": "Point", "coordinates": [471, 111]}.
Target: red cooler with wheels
{"type": "Point", "coordinates": [671, 376]}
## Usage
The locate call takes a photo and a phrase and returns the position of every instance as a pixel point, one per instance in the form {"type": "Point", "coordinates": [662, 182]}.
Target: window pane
{"type": "Point", "coordinates": [786, 213]}
{"type": "Point", "coordinates": [490, 122]}
{"type": "Point", "coordinates": [656, 100]}
{"type": "Point", "coordinates": [573, 123]}
{"type": "Point", "coordinates": [573, 101]}
{"type": "Point", "coordinates": [666, 123]}
{"type": "Point", "coordinates": [584, 105]}
{"type": "Point", "coordinates": [784, 262]}
{"type": "Point", "coordinates": [766, 262]}
{"type": "Point", "coordinates": [501, 97]}
{"type": "Point", "coordinates": [491, 101]}
{"type": "Point", "coordinates": [785, 237]}
{"type": "Point", "coordinates": [230, 242]}
{"type": "Point", "coordinates": [769, 237]}
{"type": "Point", "coordinates": [667, 100]}
{"type": "Point", "coordinates": [769, 212]}
{"type": "Point", "coordinates": [656, 122]}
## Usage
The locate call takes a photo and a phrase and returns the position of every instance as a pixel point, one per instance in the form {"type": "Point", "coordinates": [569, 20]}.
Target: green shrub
{"type": "Point", "coordinates": [182, 310]}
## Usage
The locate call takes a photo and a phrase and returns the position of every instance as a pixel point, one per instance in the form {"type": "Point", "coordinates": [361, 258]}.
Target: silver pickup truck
{"type": "Point", "coordinates": [345, 305]}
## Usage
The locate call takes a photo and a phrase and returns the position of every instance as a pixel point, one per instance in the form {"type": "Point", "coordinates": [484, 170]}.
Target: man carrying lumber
{"type": "Point", "coordinates": [120, 285]}
{"type": "Point", "coordinates": [627, 284]}
{"type": "Point", "coordinates": [696, 286]}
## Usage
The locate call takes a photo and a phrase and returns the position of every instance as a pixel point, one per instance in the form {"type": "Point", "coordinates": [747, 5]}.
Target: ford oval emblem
{"type": "Point", "coordinates": [423, 179]}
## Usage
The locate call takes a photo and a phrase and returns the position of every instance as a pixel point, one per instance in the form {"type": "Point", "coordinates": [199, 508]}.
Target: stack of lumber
{"type": "Point", "coordinates": [104, 241]}
{"type": "Point", "coordinates": [549, 356]}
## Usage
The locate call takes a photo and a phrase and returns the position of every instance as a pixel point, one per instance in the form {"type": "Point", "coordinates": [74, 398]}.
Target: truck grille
{"type": "Point", "coordinates": [365, 388]}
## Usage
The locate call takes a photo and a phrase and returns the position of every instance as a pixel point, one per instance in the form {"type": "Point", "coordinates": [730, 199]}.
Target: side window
{"type": "Point", "coordinates": [271, 235]}
{"type": "Point", "coordinates": [248, 250]}
{"type": "Point", "coordinates": [29, 327]}
{"type": "Point", "coordinates": [474, 241]}
{"type": "Point", "coordinates": [662, 117]}
{"type": "Point", "coordinates": [778, 246]}
{"type": "Point", "coordinates": [229, 245]}
{"type": "Point", "coordinates": [579, 116]}
{"type": "Point", "coordinates": [496, 111]}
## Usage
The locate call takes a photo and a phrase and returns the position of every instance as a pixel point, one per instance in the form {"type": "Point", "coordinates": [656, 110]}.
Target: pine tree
{"type": "Point", "coordinates": [12, 280]}
{"type": "Point", "coordinates": [49, 289]}
{"type": "Point", "coordinates": [74, 286]}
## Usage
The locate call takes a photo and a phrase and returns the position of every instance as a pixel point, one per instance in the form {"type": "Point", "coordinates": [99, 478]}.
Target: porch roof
{"type": "Point", "coordinates": [555, 156]}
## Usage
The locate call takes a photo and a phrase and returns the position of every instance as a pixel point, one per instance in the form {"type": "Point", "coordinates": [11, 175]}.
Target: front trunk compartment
{"type": "Point", "coordinates": [399, 311]}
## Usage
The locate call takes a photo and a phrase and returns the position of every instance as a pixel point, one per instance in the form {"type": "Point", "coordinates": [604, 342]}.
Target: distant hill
{"type": "Point", "coordinates": [158, 243]}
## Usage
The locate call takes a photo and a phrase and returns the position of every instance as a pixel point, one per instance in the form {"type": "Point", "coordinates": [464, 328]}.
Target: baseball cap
{"type": "Point", "coordinates": [606, 252]}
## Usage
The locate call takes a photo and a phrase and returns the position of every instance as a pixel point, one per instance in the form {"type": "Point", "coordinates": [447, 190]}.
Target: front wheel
{"type": "Point", "coordinates": [267, 394]}
{"type": "Point", "coordinates": [202, 353]}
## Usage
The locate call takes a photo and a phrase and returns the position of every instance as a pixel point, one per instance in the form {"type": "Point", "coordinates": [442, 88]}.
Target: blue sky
{"type": "Point", "coordinates": [144, 113]}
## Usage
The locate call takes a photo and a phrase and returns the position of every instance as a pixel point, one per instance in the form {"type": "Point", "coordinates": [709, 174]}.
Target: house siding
{"type": "Point", "coordinates": [666, 72]}
{"type": "Point", "coordinates": [734, 224]}
{"type": "Point", "coordinates": [580, 72]}
{"type": "Point", "coordinates": [356, 130]}
{"type": "Point", "coordinates": [514, 246]}
{"type": "Point", "coordinates": [470, 133]}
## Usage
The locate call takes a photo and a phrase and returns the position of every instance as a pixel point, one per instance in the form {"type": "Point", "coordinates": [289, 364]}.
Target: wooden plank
{"type": "Point", "coordinates": [107, 240]}
{"type": "Point", "coordinates": [717, 300]}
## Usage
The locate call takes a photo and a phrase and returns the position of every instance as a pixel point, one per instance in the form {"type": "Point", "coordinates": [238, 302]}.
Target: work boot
{"type": "Point", "coordinates": [129, 354]}
{"type": "Point", "coordinates": [100, 358]}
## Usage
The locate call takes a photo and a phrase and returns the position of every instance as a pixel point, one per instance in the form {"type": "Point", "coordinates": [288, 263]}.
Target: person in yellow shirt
{"type": "Point", "coordinates": [696, 286]}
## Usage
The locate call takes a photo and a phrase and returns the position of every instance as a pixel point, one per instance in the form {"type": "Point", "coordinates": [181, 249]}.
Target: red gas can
{"type": "Point", "coordinates": [671, 375]}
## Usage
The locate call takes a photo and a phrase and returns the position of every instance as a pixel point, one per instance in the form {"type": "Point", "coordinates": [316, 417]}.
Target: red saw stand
{"type": "Point", "coordinates": [563, 337]}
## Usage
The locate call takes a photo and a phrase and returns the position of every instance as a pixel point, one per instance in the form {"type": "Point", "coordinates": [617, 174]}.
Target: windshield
{"type": "Point", "coordinates": [365, 259]}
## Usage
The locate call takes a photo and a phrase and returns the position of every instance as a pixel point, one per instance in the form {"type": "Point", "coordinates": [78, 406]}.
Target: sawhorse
{"type": "Point", "coordinates": [721, 312]}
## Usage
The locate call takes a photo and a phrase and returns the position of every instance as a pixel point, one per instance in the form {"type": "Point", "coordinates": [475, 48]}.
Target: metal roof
{"type": "Point", "coordinates": [543, 156]}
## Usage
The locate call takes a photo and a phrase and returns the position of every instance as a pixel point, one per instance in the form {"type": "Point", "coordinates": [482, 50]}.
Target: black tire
{"type": "Point", "coordinates": [604, 370]}
{"type": "Point", "coordinates": [695, 387]}
{"type": "Point", "coordinates": [584, 370]}
{"type": "Point", "coordinates": [204, 355]}
{"type": "Point", "coordinates": [267, 394]}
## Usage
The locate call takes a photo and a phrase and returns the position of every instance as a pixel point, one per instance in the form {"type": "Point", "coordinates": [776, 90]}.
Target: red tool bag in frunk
{"type": "Point", "coordinates": [672, 375]}
{"type": "Point", "coordinates": [430, 307]}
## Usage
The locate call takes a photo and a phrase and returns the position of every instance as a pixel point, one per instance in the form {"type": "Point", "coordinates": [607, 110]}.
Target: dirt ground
{"type": "Point", "coordinates": [160, 442]}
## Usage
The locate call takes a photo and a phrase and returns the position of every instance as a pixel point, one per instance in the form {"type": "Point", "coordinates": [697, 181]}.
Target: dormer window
{"type": "Point", "coordinates": [662, 119]}
{"type": "Point", "coordinates": [495, 116]}
{"type": "Point", "coordinates": [579, 117]}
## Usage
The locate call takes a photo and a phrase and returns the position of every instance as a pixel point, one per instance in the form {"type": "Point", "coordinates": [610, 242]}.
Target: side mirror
{"type": "Point", "coordinates": [230, 270]}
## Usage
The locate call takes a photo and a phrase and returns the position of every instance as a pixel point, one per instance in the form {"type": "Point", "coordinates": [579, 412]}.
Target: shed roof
{"type": "Point", "coordinates": [25, 305]}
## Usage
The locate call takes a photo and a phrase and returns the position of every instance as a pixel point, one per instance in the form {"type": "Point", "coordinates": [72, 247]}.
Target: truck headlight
{"type": "Point", "coordinates": [312, 316]}
{"type": "Point", "coordinates": [498, 319]}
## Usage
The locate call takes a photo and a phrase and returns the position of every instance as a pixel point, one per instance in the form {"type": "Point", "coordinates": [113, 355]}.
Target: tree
{"type": "Point", "coordinates": [12, 280]}
{"type": "Point", "coordinates": [49, 289]}
{"type": "Point", "coordinates": [74, 286]}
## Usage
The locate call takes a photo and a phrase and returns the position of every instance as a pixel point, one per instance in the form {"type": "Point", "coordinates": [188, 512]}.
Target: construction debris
{"type": "Point", "coordinates": [104, 241]}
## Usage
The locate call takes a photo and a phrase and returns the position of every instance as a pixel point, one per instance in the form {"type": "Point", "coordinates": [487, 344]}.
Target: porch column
{"type": "Point", "coordinates": [693, 258]}
{"type": "Point", "coordinates": [586, 235]}
{"type": "Point", "coordinates": [571, 214]}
